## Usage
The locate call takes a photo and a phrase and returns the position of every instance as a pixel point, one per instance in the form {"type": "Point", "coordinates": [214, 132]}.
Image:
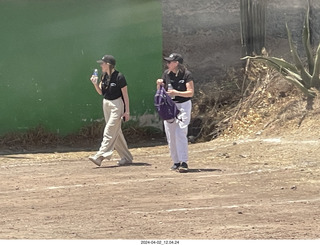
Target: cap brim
{"type": "Point", "coordinates": [100, 61]}
{"type": "Point", "coordinates": [168, 59]}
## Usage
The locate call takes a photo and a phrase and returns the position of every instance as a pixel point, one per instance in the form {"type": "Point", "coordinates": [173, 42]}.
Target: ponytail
{"type": "Point", "coordinates": [110, 68]}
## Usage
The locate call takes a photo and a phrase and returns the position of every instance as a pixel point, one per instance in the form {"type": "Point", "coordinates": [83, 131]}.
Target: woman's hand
{"type": "Point", "coordinates": [159, 83]}
{"type": "Point", "coordinates": [97, 86]}
{"type": "Point", "coordinates": [172, 92]}
{"type": "Point", "coordinates": [126, 116]}
{"type": "Point", "coordinates": [94, 80]}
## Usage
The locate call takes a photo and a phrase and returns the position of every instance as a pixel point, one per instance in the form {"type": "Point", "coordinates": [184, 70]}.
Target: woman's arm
{"type": "Point", "coordinates": [188, 93]}
{"type": "Point", "coordinates": [126, 114]}
{"type": "Point", "coordinates": [97, 86]}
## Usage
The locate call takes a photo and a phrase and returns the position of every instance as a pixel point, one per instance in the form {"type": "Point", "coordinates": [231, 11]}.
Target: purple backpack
{"type": "Point", "coordinates": [165, 106]}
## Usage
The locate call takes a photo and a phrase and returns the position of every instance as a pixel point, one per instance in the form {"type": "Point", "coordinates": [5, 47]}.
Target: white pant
{"type": "Point", "coordinates": [177, 133]}
{"type": "Point", "coordinates": [113, 138]}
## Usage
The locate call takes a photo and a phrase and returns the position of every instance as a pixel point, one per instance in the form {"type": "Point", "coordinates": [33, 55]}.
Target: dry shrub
{"type": "Point", "coordinates": [38, 136]}
{"type": "Point", "coordinates": [137, 134]}
{"type": "Point", "coordinates": [258, 100]}
{"type": "Point", "coordinates": [88, 137]}
{"type": "Point", "coordinates": [211, 104]}
{"type": "Point", "coordinates": [270, 103]}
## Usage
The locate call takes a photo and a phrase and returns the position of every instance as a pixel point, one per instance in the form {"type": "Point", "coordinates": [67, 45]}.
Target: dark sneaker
{"type": "Point", "coordinates": [183, 168]}
{"type": "Point", "coordinates": [175, 166]}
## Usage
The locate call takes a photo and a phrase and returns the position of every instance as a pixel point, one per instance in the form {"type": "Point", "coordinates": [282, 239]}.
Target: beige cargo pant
{"type": "Point", "coordinates": [113, 138]}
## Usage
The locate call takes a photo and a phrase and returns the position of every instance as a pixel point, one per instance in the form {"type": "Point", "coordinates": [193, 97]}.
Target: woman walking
{"type": "Point", "coordinates": [113, 87]}
{"type": "Point", "coordinates": [182, 91]}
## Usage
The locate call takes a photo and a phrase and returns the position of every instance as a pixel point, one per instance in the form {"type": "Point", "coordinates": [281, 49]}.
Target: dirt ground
{"type": "Point", "coordinates": [264, 187]}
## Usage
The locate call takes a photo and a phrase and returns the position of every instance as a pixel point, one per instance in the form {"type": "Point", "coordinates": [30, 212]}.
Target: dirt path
{"type": "Point", "coordinates": [254, 189]}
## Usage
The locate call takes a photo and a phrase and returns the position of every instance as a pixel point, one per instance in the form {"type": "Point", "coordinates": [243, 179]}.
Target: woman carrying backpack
{"type": "Point", "coordinates": [182, 91]}
{"type": "Point", "coordinates": [113, 87]}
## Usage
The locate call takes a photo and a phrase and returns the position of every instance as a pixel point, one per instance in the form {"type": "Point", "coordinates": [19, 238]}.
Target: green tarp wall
{"type": "Point", "coordinates": [49, 48]}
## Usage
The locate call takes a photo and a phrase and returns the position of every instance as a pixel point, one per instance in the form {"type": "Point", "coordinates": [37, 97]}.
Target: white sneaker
{"type": "Point", "coordinates": [96, 160]}
{"type": "Point", "coordinates": [124, 161]}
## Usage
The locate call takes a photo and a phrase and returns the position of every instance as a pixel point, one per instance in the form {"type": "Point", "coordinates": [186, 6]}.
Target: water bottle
{"type": "Point", "coordinates": [95, 74]}
{"type": "Point", "coordinates": [170, 88]}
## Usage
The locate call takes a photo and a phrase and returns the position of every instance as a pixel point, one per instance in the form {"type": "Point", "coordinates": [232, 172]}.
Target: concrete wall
{"type": "Point", "coordinates": [207, 33]}
{"type": "Point", "coordinates": [293, 12]}
{"type": "Point", "coordinates": [48, 50]}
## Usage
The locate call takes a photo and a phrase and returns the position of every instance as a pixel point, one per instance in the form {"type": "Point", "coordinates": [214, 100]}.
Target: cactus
{"type": "Point", "coordinates": [303, 78]}
{"type": "Point", "coordinates": [252, 13]}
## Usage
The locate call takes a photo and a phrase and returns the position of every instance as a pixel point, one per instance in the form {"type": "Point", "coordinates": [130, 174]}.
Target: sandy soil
{"type": "Point", "coordinates": [259, 188]}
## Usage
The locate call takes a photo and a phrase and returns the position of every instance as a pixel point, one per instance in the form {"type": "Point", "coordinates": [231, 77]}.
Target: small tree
{"type": "Point", "coordinates": [296, 73]}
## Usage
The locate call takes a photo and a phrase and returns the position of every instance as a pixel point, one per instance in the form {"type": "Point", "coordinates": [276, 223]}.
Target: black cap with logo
{"type": "Point", "coordinates": [108, 59]}
{"type": "Point", "coordinates": [174, 57]}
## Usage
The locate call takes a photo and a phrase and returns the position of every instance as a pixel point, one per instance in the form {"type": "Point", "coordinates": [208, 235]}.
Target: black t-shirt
{"type": "Point", "coordinates": [111, 90]}
{"type": "Point", "coordinates": [178, 82]}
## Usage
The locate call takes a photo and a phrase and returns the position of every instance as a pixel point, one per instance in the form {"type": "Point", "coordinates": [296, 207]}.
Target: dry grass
{"type": "Point", "coordinates": [273, 104]}
{"type": "Point", "coordinates": [212, 103]}
{"type": "Point", "coordinates": [35, 136]}
{"type": "Point", "coordinates": [257, 102]}
{"type": "Point", "coordinates": [88, 137]}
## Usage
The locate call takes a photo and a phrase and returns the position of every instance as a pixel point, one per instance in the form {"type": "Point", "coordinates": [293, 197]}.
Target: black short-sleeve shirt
{"type": "Point", "coordinates": [178, 82]}
{"type": "Point", "coordinates": [111, 90]}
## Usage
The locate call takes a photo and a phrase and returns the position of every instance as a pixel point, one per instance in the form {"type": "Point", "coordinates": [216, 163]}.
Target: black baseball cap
{"type": "Point", "coordinates": [174, 57]}
{"type": "Point", "coordinates": [108, 59]}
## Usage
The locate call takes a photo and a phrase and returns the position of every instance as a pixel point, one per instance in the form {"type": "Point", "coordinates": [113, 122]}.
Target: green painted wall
{"type": "Point", "coordinates": [49, 48]}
